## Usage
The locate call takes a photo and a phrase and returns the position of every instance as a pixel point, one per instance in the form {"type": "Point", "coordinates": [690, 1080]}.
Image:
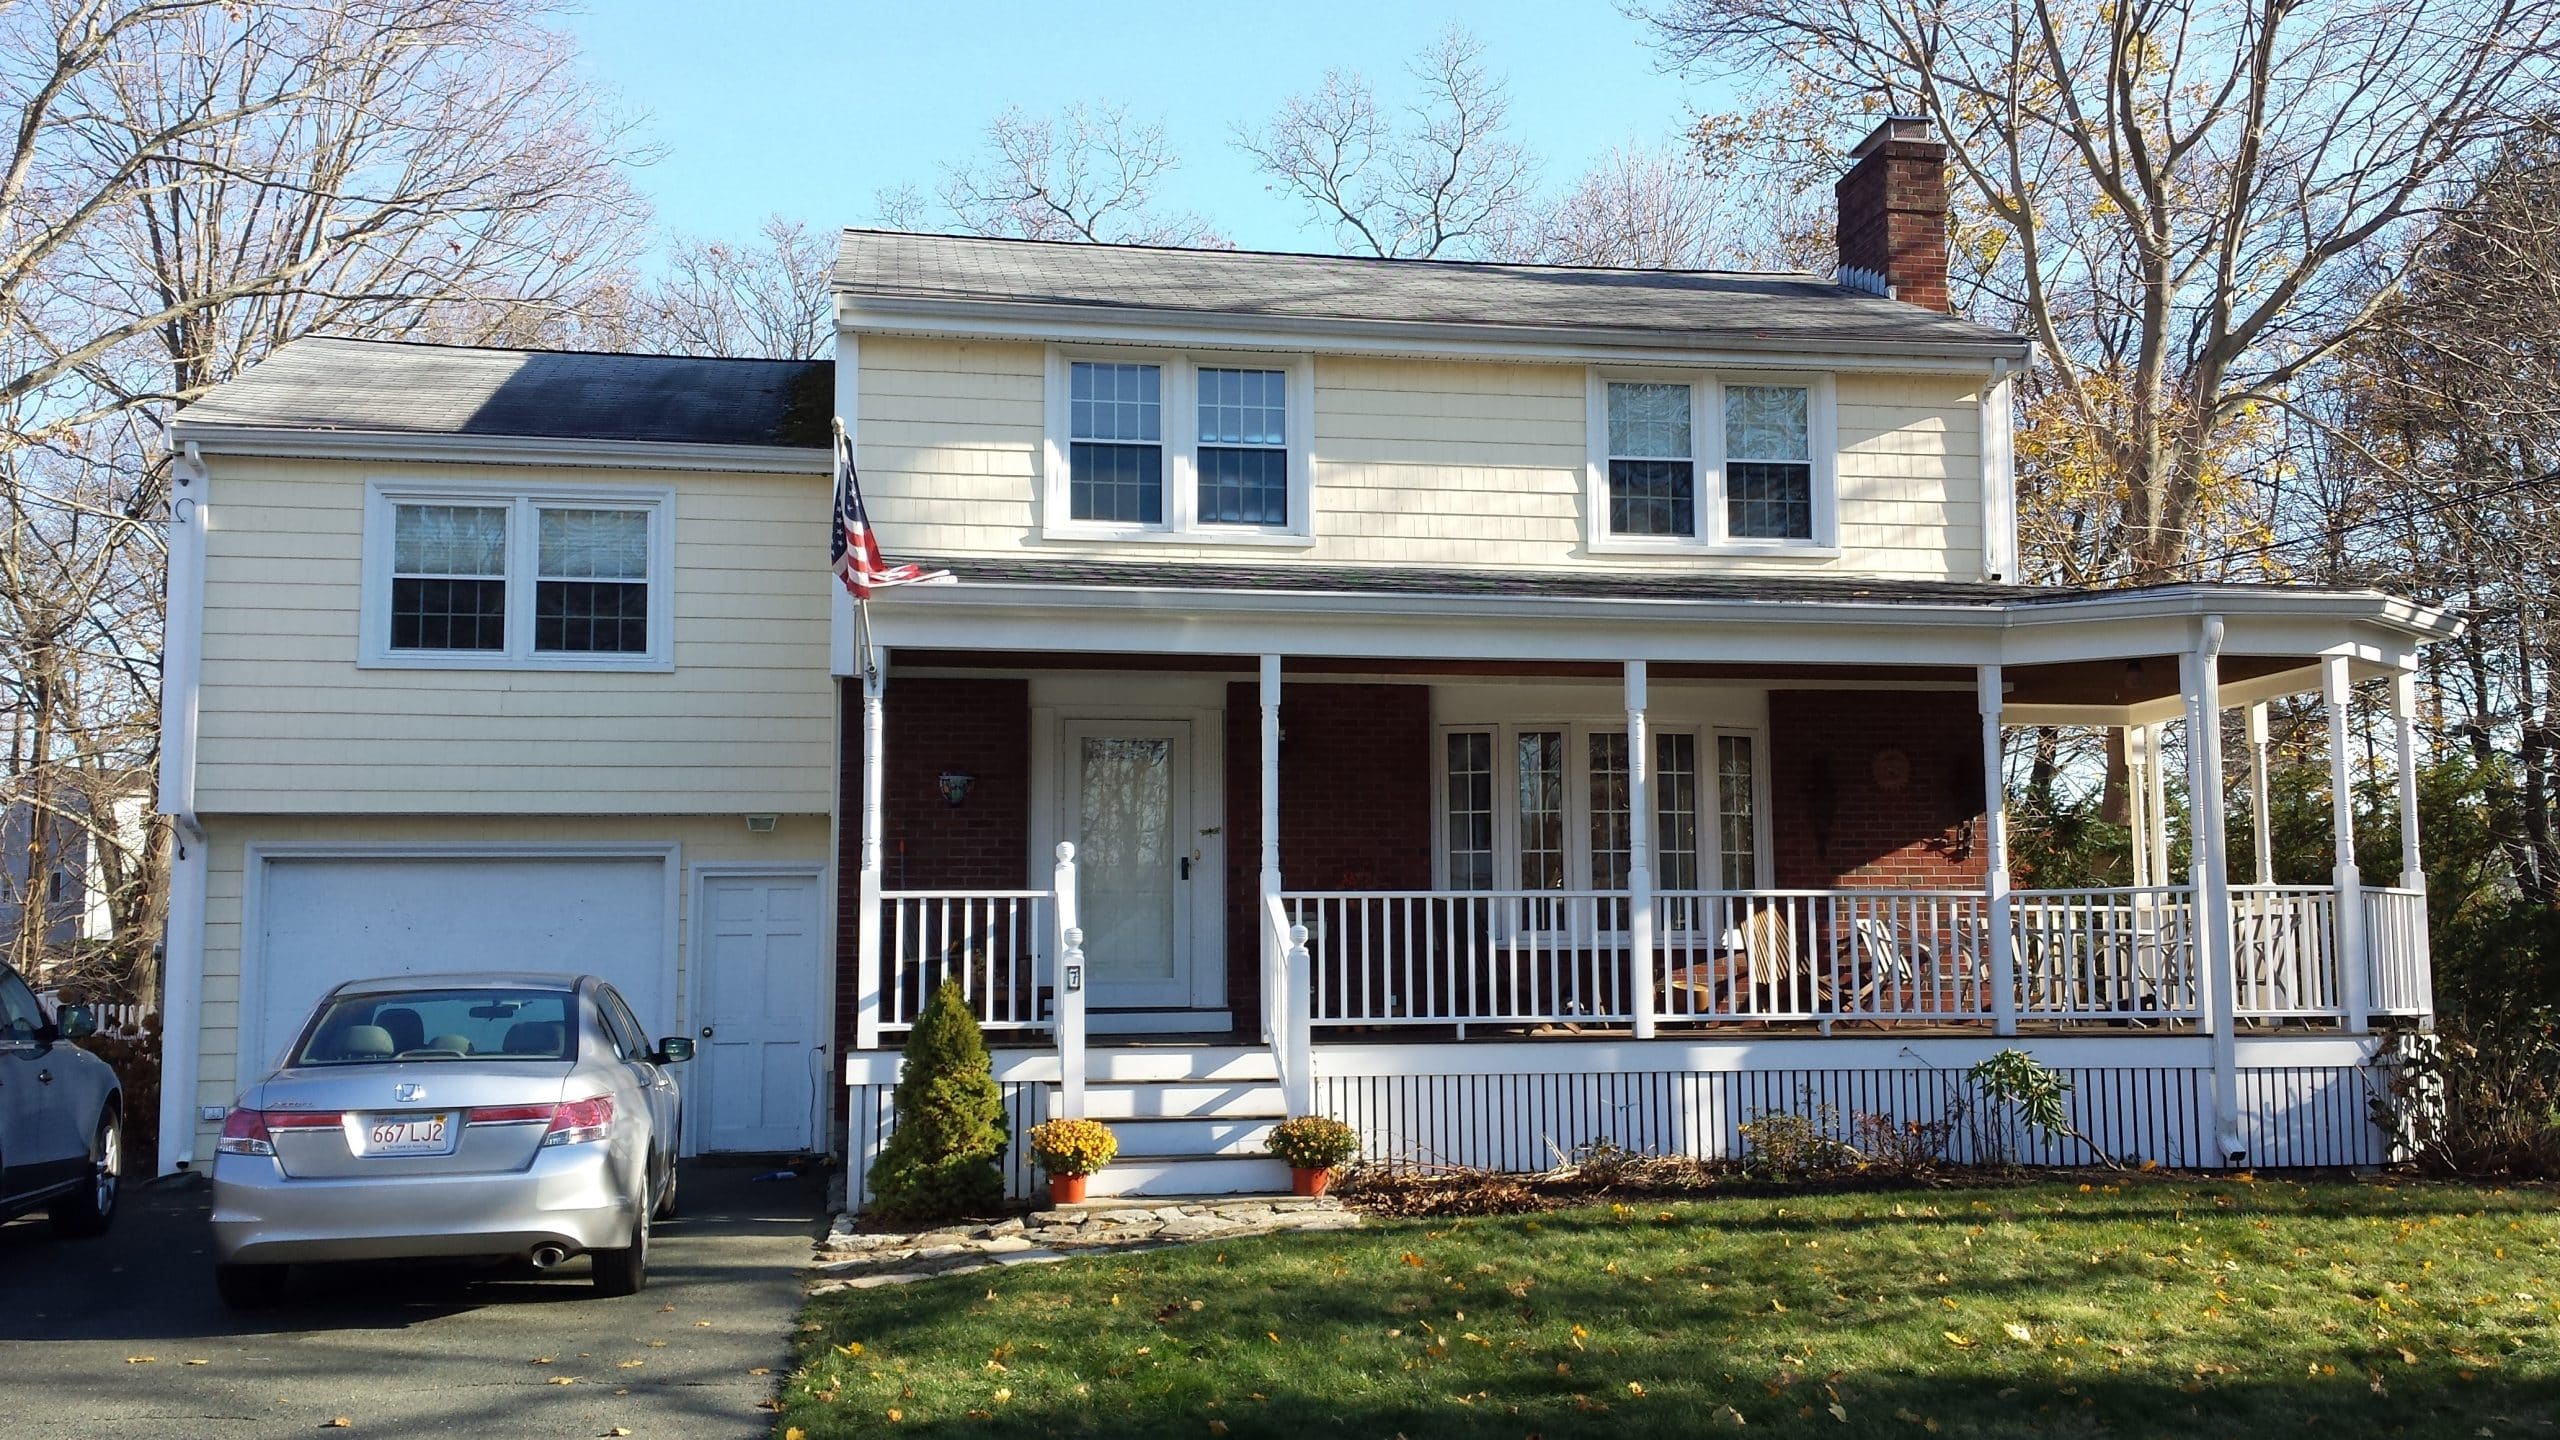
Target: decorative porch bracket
{"type": "Point", "coordinates": [2354, 979]}
{"type": "Point", "coordinates": [1069, 987]}
{"type": "Point", "coordinates": [1995, 857]}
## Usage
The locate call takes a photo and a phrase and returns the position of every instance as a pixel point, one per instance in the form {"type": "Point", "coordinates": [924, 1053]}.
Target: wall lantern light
{"type": "Point", "coordinates": [955, 786]}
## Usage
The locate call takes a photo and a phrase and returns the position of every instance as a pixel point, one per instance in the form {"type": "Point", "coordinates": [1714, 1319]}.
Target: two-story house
{"type": "Point", "coordinates": [1504, 707]}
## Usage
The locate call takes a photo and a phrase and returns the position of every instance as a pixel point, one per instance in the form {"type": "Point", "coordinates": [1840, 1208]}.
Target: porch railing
{"type": "Point", "coordinates": [2284, 950]}
{"type": "Point", "coordinates": [1823, 955]}
{"type": "Point", "coordinates": [2105, 954]}
{"type": "Point", "coordinates": [1442, 957]}
{"type": "Point", "coordinates": [996, 944]}
{"type": "Point", "coordinates": [2395, 937]}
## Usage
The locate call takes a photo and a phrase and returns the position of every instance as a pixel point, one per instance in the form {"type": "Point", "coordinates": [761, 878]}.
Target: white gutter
{"type": "Point", "coordinates": [305, 444]}
{"type": "Point", "coordinates": [182, 947]}
{"type": "Point", "coordinates": [2180, 602]}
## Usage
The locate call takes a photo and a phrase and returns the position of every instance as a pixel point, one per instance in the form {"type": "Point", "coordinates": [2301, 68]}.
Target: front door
{"type": "Point", "coordinates": [1128, 809]}
{"type": "Point", "coordinates": [759, 1065]}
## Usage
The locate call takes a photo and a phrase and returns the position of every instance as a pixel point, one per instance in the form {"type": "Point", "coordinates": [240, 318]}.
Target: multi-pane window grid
{"type": "Point", "coordinates": [1244, 447]}
{"type": "Point", "coordinates": [1538, 772]}
{"type": "Point", "coordinates": [1470, 818]}
{"type": "Point", "coordinates": [591, 592]}
{"type": "Point", "coordinates": [1653, 472]}
{"type": "Point", "coordinates": [1768, 469]}
{"type": "Point", "coordinates": [449, 577]}
{"type": "Point", "coordinates": [1115, 451]}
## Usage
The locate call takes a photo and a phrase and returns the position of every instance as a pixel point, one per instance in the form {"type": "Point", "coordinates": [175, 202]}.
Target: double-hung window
{"type": "Point", "coordinates": [1202, 449]}
{"type": "Point", "coordinates": [1693, 461]}
{"type": "Point", "coordinates": [1549, 807]}
{"type": "Point", "coordinates": [469, 578]}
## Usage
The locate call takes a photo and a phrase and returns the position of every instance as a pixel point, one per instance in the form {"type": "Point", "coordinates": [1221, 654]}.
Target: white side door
{"type": "Point", "coordinates": [757, 1065]}
{"type": "Point", "coordinates": [1128, 809]}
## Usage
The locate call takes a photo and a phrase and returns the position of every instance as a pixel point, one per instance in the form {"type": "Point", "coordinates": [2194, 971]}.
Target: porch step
{"type": "Point", "coordinates": [1191, 1175]}
{"type": "Point", "coordinates": [1180, 1139]}
{"type": "Point", "coordinates": [1226, 1064]}
{"type": "Point", "coordinates": [1144, 1100]}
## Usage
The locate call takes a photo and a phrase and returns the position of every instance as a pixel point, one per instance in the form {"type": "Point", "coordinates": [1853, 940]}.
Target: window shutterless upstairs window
{"type": "Point", "coordinates": [466, 577]}
{"type": "Point", "coordinates": [1736, 464]}
{"type": "Point", "coordinates": [1156, 445]}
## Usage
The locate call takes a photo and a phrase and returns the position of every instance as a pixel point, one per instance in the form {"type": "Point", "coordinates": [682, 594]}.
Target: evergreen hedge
{"type": "Point", "coordinates": [940, 1162]}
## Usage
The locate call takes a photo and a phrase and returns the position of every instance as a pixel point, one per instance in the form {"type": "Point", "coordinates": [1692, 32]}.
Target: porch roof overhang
{"type": "Point", "coordinates": [2273, 635]}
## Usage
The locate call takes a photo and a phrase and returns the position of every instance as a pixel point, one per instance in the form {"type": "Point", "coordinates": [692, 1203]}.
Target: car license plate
{"type": "Point", "coordinates": [428, 1133]}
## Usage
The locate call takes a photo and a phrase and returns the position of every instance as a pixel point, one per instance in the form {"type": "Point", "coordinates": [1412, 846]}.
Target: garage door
{"type": "Point", "coordinates": [322, 921]}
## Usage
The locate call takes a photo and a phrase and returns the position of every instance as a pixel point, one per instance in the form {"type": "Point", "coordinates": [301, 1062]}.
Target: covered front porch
{"type": "Point", "coordinates": [1788, 823]}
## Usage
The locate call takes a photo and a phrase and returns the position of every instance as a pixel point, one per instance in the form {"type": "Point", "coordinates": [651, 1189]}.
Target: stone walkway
{"type": "Point", "coordinates": [851, 1258]}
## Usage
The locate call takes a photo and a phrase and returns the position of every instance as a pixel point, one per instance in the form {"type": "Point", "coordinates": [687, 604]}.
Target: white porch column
{"type": "Point", "coordinates": [866, 1011]}
{"type": "Point", "coordinates": [2258, 807]}
{"type": "Point", "coordinates": [2155, 738]}
{"type": "Point", "coordinates": [2353, 975]}
{"type": "Point", "coordinates": [2208, 846]}
{"type": "Point", "coordinates": [1069, 992]}
{"type": "Point", "coordinates": [1995, 857]}
{"type": "Point", "coordinates": [2138, 760]}
{"type": "Point", "coordinates": [2404, 716]}
{"type": "Point", "coordinates": [1640, 933]}
{"type": "Point", "coordinates": [1273, 945]}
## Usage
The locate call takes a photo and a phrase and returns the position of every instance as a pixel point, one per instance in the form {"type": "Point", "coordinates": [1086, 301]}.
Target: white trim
{"type": "Point", "coordinates": [523, 503]}
{"type": "Point", "coordinates": [1179, 444]}
{"type": "Point", "coordinates": [254, 1047]}
{"type": "Point", "coordinates": [1999, 477]}
{"type": "Point", "coordinates": [1707, 462]}
{"type": "Point", "coordinates": [823, 1023]}
{"type": "Point", "coordinates": [182, 942]}
{"type": "Point", "coordinates": [287, 443]}
{"type": "Point", "coordinates": [874, 314]}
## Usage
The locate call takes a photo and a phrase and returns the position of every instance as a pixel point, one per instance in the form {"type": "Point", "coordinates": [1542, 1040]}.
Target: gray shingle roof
{"type": "Point", "coordinates": [897, 272]}
{"type": "Point", "coordinates": [379, 386]}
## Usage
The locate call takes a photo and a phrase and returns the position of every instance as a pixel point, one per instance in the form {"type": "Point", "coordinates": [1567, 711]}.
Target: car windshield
{"type": "Point", "coordinates": [491, 1024]}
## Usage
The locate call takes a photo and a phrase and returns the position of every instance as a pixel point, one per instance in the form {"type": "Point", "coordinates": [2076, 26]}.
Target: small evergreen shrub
{"type": "Point", "coordinates": [941, 1161]}
{"type": "Point", "coordinates": [1072, 1147]}
{"type": "Point", "coordinates": [1313, 1142]}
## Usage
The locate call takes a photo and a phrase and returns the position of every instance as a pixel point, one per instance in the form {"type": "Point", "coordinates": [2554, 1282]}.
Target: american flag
{"type": "Point", "coordinates": [857, 553]}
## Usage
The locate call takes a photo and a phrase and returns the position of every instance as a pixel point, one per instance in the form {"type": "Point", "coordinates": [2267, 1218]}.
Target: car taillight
{"type": "Point", "coordinates": [252, 1132]}
{"type": "Point", "coordinates": [577, 1121]}
{"type": "Point", "coordinates": [513, 1114]}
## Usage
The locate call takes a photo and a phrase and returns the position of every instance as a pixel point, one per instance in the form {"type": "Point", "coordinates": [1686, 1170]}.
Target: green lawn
{"type": "Point", "coordinates": [2157, 1306]}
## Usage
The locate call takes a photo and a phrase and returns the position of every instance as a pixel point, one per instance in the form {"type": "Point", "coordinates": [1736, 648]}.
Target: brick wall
{"type": "Point", "coordinates": [1355, 805]}
{"type": "Point", "coordinates": [931, 725]}
{"type": "Point", "coordinates": [1834, 823]}
{"type": "Point", "coordinates": [1893, 218]}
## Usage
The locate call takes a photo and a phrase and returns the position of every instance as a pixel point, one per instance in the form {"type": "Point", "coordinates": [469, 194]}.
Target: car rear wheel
{"type": "Point", "coordinates": [624, 1271]}
{"type": "Point", "coordinates": [86, 1210]}
{"type": "Point", "coordinates": [250, 1287]}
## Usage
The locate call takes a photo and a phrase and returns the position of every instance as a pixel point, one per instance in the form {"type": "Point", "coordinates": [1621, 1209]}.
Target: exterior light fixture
{"type": "Point", "coordinates": [955, 786]}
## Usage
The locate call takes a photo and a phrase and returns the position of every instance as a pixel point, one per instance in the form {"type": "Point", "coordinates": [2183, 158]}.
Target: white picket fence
{"type": "Point", "coordinates": [117, 1018]}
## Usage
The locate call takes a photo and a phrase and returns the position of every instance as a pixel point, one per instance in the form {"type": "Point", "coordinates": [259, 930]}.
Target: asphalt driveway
{"type": "Point", "coordinates": [124, 1336]}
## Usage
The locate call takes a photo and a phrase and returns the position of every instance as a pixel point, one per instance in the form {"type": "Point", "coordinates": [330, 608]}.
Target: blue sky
{"type": "Point", "coordinates": [808, 108]}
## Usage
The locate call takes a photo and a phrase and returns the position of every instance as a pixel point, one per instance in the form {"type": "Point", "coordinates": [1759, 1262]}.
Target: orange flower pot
{"type": "Point", "coordinates": [1310, 1183]}
{"type": "Point", "coordinates": [1067, 1189]}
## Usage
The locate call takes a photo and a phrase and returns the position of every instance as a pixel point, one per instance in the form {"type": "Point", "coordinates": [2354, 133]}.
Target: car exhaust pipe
{"type": "Point", "coordinates": [546, 1256]}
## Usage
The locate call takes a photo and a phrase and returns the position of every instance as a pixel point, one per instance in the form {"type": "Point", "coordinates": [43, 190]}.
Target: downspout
{"type": "Point", "coordinates": [182, 948]}
{"type": "Point", "coordinates": [1999, 469]}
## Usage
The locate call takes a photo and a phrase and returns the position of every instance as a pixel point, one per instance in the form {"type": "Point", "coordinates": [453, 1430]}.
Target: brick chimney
{"type": "Point", "coordinates": [1893, 215]}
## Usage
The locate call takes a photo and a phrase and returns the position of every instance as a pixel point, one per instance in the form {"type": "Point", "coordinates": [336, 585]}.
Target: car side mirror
{"type": "Point", "coordinates": [674, 1050]}
{"type": "Point", "coordinates": [76, 1022]}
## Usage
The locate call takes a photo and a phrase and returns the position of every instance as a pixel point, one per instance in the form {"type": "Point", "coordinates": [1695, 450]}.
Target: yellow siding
{"type": "Point", "coordinates": [291, 724]}
{"type": "Point", "coordinates": [1419, 462]}
{"type": "Point", "coordinates": [715, 839]}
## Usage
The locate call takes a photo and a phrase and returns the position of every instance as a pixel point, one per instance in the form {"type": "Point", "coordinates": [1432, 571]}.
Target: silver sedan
{"type": "Point", "coordinates": [475, 1115]}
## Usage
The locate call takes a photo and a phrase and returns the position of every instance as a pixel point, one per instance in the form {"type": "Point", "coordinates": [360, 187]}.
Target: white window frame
{"type": "Point", "coordinates": [1706, 445]}
{"type": "Point", "coordinates": [1577, 798]}
{"type": "Point", "coordinates": [1181, 400]}
{"type": "Point", "coordinates": [523, 505]}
